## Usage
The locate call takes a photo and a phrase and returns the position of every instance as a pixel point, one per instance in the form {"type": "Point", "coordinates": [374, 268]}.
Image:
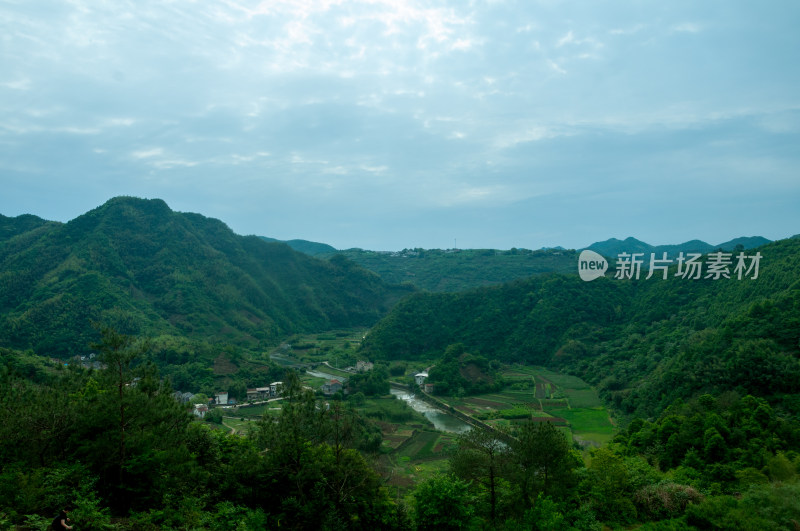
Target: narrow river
{"type": "Point", "coordinates": [441, 420]}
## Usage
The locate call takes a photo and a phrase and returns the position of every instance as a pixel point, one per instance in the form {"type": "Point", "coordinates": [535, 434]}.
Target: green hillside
{"type": "Point", "coordinates": [644, 343]}
{"type": "Point", "coordinates": [454, 270]}
{"type": "Point", "coordinates": [137, 265]}
{"type": "Point", "coordinates": [305, 246]}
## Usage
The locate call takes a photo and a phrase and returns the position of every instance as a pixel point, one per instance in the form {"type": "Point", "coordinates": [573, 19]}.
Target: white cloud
{"type": "Point", "coordinates": [148, 153]}
{"type": "Point", "coordinates": [687, 27]}
{"type": "Point", "coordinates": [18, 84]}
{"type": "Point", "coordinates": [555, 66]}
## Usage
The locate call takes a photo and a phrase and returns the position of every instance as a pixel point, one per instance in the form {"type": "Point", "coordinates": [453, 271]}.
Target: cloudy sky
{"type": "Point", "coordinates": [387, 124]}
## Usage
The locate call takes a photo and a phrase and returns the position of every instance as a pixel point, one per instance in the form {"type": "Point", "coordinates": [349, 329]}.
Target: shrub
{"type": "Point", "coordinates": [664, 500]}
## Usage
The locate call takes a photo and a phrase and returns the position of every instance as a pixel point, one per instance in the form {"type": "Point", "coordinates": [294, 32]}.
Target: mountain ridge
{"type": "Point", "coordinates": [613, 246]}
{"type": "Point", "coordinates": [138, 265]}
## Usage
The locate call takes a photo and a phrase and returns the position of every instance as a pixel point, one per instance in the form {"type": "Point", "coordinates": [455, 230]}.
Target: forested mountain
{"type": "Point", "coordinates": [137, 265]}
{"type": "Point", "coordinates": [453, 270]}
{"type": "Point", "coordinates": [305, 246]}
{"type": "Point", "coordinates": [612, 247]}
{"type": "Point", "coordinates": [10, 227]}
{"type": "Point", "coordinates": [645, 343]}
{"type": "Point", "coordinates": [460, 269]}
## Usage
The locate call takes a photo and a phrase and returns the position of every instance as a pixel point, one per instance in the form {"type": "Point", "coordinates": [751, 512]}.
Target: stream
{"type": "Point", "coordinates": [441, 420]}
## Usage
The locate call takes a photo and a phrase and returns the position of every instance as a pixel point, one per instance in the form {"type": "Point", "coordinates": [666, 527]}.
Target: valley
{"type": "Point", "coordinates": [185, 371]}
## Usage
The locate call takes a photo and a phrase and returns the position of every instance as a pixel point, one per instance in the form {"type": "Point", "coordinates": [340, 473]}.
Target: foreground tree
{"type": "Point", "coordinates": [483, 458]}
{"type": "Point", "coordinates": [543, 462]}
{"type": "Point", "coordinates": [322, 481]}
{"type": "Point", "coordinates": [443, 503]}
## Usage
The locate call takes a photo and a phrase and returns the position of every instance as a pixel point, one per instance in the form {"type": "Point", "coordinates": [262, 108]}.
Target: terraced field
{"type": "Point", "coordinates": [544, 396]}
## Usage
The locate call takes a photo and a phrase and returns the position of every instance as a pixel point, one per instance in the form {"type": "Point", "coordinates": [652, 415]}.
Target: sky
{"type": "Point", "coordinates": [392, 124]}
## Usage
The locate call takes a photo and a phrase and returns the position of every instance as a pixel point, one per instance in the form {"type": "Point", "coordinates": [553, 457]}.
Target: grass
{"type": "Point", "coordinates": [589, 424]}
{"type": "Point", "coordinates": [392, 410]}
{"type": "Point", "coordinates": [421, 445]}
{"type": "Point", "coordinates": [240, 426]}
{"type": "Point", "coordinates": [564, 381]}
{"type": "Point", "coordinates": [581, 398]}
{"type": "Point", "coordinates": [569, 397]}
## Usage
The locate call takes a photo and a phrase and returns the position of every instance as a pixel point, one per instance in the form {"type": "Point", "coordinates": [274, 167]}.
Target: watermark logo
{"type": "Point", "coordinates": [591, 265]}
{"type": "Point", "coordinates": [689, 266]}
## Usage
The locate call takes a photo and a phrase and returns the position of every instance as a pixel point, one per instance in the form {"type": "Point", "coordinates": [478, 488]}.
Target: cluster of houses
{"type": "Point", "coordinates": [223, 399]}
{"type": "Point", "coordinates": [420, 378]}
{"type": "Point", "coordinates": [265, 393]}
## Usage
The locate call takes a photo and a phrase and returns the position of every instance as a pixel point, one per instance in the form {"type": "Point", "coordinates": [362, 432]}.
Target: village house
{"type": "Point", "coordinates": [259, 393]}
{"type": "Point", "coordinates": [222, 398]}
{"type": "Point", "coordinates": [200, 410]}
{"type": "Point", "coordinates": [332, 387]}
{"type": "Point", "coordinates": [420, 378]}
{"type": "Point", "coordinates": [275, 389]}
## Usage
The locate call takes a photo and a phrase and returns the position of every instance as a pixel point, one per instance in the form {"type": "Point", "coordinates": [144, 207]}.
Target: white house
{"type": "Point", "coordinates": [200, 410]}
{"type": "Point", "coordinates": [275, 388]}
{"type": "Point", "coordinates": [222, 398]}
{"type": "Point", "coordinates": [420, 378]}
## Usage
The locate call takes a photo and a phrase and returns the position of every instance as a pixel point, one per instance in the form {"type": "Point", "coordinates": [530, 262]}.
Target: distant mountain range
{"type": "Point", "coordinates": [613, 247]}
{"type": "Point", "coordinates": [138, 265]}
{"type": "Point", "coordinates": [610, 247]}
{"type": "Point", "coordinates": [460, 269]}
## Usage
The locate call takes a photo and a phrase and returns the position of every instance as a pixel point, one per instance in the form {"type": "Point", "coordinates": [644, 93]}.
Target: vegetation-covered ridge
{"type": "Point", "coordinates": [454, 270]}
{"type": "Point", "coordinates": [644, 343]}
{"type": "Point", "coordinates": [138, 265]}
{"type": "Point", "coordinates": [613, 246]}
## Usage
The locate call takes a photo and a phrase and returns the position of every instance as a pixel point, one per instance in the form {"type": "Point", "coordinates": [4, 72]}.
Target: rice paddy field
{"type": "Point", "coordinates": [412, 449]}
{"type": "Point", "coordinates": [544, 396]}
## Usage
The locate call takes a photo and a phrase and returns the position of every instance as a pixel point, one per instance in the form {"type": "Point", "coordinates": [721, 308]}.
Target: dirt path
{"type": "Point", "coordinates": [233, 430]}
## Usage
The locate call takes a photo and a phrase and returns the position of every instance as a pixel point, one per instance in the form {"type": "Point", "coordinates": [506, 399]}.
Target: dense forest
{"type": "Point", "coordinates": [117, 447]}
{"type": "Point", "coordinates": [702, 375]}
{"type": "Point", "coordinates": [454, 270]}
{"type": "Point", "coordinates": [644, 343]}
{"type": "Point", "coordinates": [138, 265]}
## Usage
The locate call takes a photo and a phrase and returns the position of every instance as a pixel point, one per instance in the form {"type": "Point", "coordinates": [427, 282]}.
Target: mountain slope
{"type": "Point", "coordinates": [140, 266]}
{"type": "Point", "coordinates": [644, 343]}
{"type": "Point", "coordinates": [305, 246]}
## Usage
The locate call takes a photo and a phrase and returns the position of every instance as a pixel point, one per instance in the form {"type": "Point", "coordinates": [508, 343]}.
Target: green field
{"type": "Point", "coordinates": [567, 397]}
{"type": "Point", "coordinates": [338, 347]}
{"type": "Point", "coordinates": [589, 424]}
{"type": "Point", "coordinates": [240, 426]}
{"type": "Point", "coordinates": [411, 449]}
